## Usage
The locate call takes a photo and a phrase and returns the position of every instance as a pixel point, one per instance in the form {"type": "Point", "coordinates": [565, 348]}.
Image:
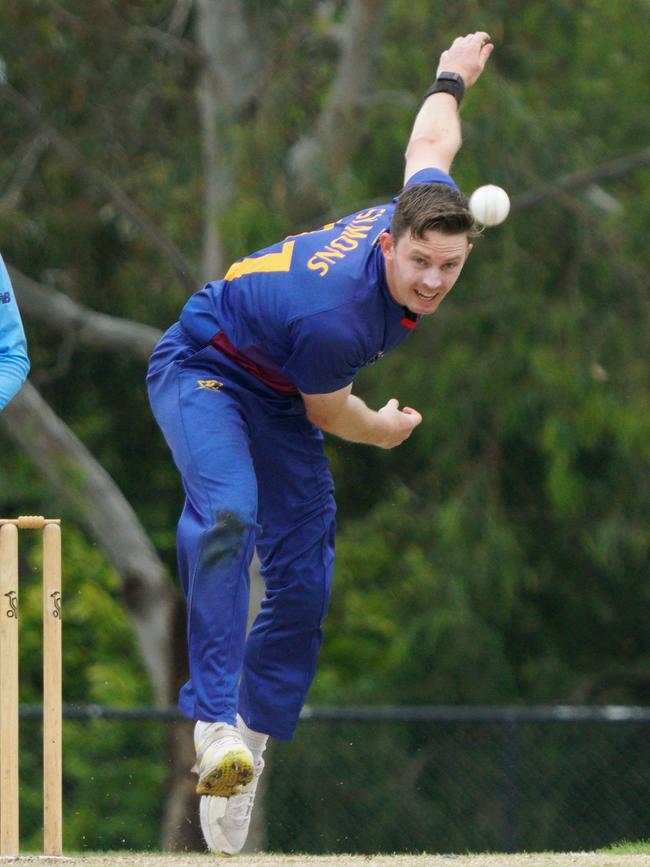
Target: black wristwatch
{"type": "Point", "coordinates": [448, 82]}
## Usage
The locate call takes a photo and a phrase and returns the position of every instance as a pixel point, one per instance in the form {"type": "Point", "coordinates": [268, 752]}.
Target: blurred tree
{"type": "Point", "coordinates": [501, 554]}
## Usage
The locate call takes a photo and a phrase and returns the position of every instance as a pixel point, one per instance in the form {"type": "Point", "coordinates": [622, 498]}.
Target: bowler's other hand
{"type": "Point", "coordinates": [467, 56]}
{"type": "Point", "coordinates": [400, 423]}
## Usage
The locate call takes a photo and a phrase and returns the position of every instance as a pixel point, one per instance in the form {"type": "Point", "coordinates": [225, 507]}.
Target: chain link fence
{"type": "Point", "coordinates": [462, 780]}
{"type": "Point", "coordinates": [366, 780]}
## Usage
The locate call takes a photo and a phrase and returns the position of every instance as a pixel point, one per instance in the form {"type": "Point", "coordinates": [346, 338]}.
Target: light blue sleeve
{"type": "Point", "coordinates": [14, 363]}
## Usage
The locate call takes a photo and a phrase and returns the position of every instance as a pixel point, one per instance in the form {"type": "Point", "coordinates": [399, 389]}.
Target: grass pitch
{"type": "Point", "coordinates": [611, 858]}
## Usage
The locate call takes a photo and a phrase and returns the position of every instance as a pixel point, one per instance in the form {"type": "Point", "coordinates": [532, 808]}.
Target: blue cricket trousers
{"type": "Point", "coordinates": [255, 475]}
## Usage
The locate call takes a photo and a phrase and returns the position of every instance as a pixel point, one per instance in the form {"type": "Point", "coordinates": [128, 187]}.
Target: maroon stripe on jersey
{"type": "Point", "coordinates": [409, 323]}
{"type": "Point", "coordinates": [269, 377]}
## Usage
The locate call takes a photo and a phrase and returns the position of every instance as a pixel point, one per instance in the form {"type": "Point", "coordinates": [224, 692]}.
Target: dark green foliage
{"type": "Point", "coordinates": [457, 787]}
{"type": "Point", "coordinates": [113, 785]}
{"type": "Point", "coordinates": [501, 555]}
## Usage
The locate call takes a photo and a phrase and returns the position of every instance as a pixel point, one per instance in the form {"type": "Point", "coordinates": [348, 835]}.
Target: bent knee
{"type": "Point", "coordinates": [232, 533]}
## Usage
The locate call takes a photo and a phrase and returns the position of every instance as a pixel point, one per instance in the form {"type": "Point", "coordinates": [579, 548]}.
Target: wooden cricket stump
{"type": "Point", "coordinates": [52, 680]}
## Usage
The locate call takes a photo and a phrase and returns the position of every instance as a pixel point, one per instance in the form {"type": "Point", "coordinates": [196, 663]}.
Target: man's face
{"type": "Point", "coordinates": [421, 271]}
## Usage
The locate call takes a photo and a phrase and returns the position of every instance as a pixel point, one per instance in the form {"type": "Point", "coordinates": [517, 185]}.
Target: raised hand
{"type": "Point", "coordinates": [467, 56]}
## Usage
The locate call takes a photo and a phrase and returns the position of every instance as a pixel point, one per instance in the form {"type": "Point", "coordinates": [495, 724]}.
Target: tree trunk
{"type": "Point", "coordinates": [157, 611]}
{"type": "Point", "coordinates": [93, 497]}
{"type": "Point", "coordinates": [325, 151]}
{"type": "Point", "coordinates": [97, 330]}
{"type": "Point", "coordinates": [227, 83]}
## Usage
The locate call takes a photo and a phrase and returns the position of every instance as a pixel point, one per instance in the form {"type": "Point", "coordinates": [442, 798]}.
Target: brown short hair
{"type": "Point", "coordinates": [422, 208]}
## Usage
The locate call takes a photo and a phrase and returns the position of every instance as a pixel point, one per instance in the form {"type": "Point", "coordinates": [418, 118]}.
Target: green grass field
{"type": "Point", "coordinates": [622, 855]}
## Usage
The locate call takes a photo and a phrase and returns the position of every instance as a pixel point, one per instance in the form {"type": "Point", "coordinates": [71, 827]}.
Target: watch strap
{"type": "Point", "coordinates": [448, 82]}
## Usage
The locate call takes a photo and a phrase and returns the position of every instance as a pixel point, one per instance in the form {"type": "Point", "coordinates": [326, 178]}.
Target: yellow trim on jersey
{"type": "Point", "coordinates": [270, 262]}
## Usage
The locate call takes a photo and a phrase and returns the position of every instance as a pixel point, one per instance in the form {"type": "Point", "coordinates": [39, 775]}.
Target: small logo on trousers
{"type": "Point", "coordinates": [210, 384]}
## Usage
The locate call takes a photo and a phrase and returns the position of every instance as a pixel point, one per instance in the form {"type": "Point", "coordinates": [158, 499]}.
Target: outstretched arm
{"type": "Point", "coordinates": [436, 135]}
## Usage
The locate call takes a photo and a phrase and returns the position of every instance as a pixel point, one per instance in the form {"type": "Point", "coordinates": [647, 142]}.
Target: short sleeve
{"type": "Point", "coordinates": [431, 176]}
{"type": "Point", "coordinates": [14, 363]}
{"type": "Point", "coordinates": [327, 352]}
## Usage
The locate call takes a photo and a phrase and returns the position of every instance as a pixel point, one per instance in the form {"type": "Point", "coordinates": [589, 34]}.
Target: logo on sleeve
{"type": "Point", "coordinates": [5, 297]}
{"type": "Point", "coordinates": [209, 384]}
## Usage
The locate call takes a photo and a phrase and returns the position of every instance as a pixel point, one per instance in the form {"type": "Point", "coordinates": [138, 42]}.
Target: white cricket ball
{"type": "Point", "coordinates": [490, 205]}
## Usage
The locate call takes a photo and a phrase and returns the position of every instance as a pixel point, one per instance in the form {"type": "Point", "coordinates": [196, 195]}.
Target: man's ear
{"type": "Point", "coordinates": [386, 244]}
{"type": "Point", "coordinates": [470, 247]}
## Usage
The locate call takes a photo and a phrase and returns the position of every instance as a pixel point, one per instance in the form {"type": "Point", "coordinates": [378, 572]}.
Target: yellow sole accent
{"type": "Point", "coordinates": [234, 771]}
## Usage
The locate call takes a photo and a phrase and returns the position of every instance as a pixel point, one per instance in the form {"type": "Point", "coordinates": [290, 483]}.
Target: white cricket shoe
{"type": "Point", "coordinates": [223, 762]}
{"type": "Point", "coordinates": [225, 821]}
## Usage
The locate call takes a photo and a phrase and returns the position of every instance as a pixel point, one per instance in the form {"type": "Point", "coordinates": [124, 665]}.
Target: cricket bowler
{"type": "Point", "coordinates": [258, 366]}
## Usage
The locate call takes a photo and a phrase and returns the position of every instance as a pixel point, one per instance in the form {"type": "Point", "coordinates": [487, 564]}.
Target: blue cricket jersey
{"type": "Point", "coordinates": [309, 312]}
{"type": "Point", "coordinates": [14, 363]}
